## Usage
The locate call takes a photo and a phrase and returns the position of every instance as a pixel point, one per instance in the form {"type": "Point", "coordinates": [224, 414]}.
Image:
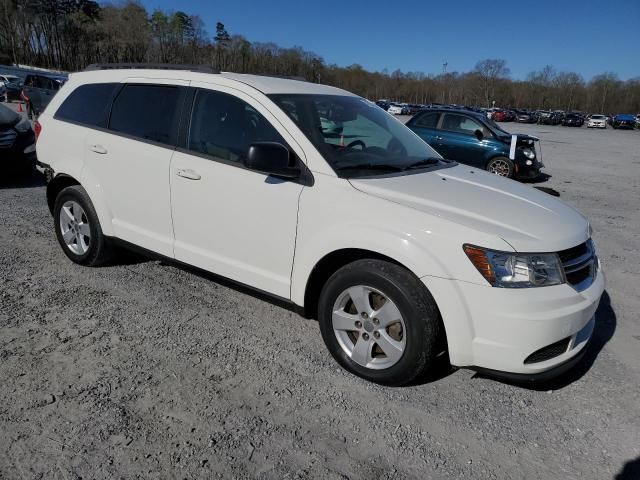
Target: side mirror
{"type": "Point", "coordinates": [479, 135]}
{"type": "Point", "coordinates": [272, 158]}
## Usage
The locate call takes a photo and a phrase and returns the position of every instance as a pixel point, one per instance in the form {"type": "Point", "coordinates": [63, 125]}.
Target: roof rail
{"type": "Point", "coordinates": [152, 66]}
{"type": "Point", "coordinates": [284, 77]}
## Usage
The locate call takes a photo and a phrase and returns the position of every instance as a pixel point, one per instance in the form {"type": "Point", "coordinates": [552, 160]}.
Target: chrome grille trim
{"type": "Point", "coordinates": [580, 265]}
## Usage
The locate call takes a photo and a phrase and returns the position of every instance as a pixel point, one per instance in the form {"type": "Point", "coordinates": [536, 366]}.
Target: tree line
{"type": "Point", "coordinates": [71, 34]}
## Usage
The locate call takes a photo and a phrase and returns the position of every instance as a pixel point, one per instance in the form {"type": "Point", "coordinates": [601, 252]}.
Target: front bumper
{"type": "Point", "coordinates": [499, 328]}
{"type": "Point", "coordinates": [527, 171]}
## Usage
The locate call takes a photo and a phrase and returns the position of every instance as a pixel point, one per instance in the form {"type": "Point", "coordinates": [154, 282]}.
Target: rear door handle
{"type": "Point", "coordinates": [188, 174]}
{"type": "Point", "coordinates": [98, 149]}
{"type": "Point", "coordinates": [438, 137]}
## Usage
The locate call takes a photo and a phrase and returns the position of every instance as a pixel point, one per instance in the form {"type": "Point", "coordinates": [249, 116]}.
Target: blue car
{"type": "Point", "coordinates": [473, 139]}
{"type": "Point", "coordinates": [623, 120]}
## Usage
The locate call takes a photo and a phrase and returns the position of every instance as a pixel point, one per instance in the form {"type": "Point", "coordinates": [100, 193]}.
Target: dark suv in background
{"type": "Point", "coordinates": [39, 89]}
{"type": "Point", "coordinates": [572, 120]}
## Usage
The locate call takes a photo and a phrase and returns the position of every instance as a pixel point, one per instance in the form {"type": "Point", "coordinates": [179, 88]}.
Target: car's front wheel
{"type": "Point", "coordinates": [78, 228]}
{"type": "Point", "coordinates": [380, 322]}
{"type": "Point", "coordinates": [501, 166]}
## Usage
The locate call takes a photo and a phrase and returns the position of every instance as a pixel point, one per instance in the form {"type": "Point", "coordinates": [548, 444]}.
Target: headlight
{"type": "Point", "coordinates": [529, 153]}
{"type": "Point", "coordinates": [515, 270]}
{"type": "Point", "coordinates": [23, 126]}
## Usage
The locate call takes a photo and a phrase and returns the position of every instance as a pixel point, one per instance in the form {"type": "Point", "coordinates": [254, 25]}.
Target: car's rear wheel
{"type": "Point", "coordinates": [501, 166]}
{"type": "Point", "coordinates": [380, 322]}
{"type": "Point", "coordinates": [78, 228]}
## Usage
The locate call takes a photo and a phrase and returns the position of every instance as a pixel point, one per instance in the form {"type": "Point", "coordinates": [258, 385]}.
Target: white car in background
{"type": "Point", "coordinates": [395, 109]}
{"type": "Point", "coordinates": [597, 121]}
{"type": "Point", "coordinates": [403, 257]}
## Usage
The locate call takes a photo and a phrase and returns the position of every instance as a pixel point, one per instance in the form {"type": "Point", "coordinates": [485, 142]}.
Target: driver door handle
{"type": "Point", "coordinates": [438, 137]}
{"type": "Point", "coordinates": [188, 174]}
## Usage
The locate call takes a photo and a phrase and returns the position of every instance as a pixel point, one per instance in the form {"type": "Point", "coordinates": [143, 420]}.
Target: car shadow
{"type": "Point", "coordinates": [604, 328]}
{"type": "Point", "coordinates": [549, 191]}
{"type": "Point", "coordinates": [12, 178]}
{"type": "Point", "coordinates": [541, 178]}
{"type": "Point", "coordinates": [630, 470]}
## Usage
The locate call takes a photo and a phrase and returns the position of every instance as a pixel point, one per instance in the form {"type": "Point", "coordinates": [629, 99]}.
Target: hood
{"type": "Point", "coordinates": [521, 137]}
{"type": "Point", "coordinates": [8, 118]}
{"type": "Point", "coordinates": [528, 219]}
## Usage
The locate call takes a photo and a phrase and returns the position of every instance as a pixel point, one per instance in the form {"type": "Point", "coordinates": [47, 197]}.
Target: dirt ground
{"type": "Point", "coordinates": [144, 370]}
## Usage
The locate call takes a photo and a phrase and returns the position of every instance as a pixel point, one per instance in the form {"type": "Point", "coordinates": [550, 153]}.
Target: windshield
{"type": "Point", "coordinates": [355, 136]}
{"type": "Point", "coordinates": [597, 117]}
{"type": "Point", "coordinates": [496, 127]}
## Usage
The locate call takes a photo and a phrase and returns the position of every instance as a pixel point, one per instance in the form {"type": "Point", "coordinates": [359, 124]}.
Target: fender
{"type": "Point", "coordinates": [400, 247]}
{"type": "Point", "coordinates": [94, 189]}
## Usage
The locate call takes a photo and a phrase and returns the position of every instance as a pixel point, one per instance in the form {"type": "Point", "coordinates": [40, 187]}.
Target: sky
{"type": "Point", "coordinates": [588, 37]}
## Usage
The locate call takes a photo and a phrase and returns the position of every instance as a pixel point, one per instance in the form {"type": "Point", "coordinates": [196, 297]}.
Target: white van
{"type": "Point", "coordinates": [401, 255]}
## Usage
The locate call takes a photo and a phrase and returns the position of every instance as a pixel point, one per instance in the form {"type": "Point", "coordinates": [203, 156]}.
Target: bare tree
{"type": "Point", "coordinates": [489, 72]}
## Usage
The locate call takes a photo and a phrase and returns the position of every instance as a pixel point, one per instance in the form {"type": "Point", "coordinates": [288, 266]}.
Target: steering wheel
{"type": "Point", "coordinates": [355, 143]}
{"type": "Point", "coordinates": [396, 147]}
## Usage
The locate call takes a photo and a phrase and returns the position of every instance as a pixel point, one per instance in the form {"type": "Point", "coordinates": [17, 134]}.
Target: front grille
{"type": "Point", "coordinates": [579, 264]}
{"type": "Point", "coordinates": [549, 352]}
{"type": "Point", "coordinates": [7, 138]}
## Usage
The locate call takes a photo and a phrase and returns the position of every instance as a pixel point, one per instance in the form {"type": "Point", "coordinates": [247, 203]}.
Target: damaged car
{"type": "Point", "coordinates": [471, 138]}
{"type": "Point", "coordinates": [17, 141]}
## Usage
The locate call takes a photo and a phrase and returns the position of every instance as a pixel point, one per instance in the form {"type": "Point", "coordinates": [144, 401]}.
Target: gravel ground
{"type": "Point", "coordinates": [145, 370]}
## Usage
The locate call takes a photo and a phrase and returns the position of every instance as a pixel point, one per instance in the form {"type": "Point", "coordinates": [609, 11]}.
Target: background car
{"type": "Point", "coordinates": [572, 120]}
{"type": "Point", "coordinates": [39, 89]}
{"type": "Point", "coordinates": [14, 90]}
{"type": "Point", "coordinates": [17, 140]}
{"type": "Point", "coordinates": [597, 121]}
{"type": "Point", "coordinates": [4, 80]}
{"type": "Point", "coordinates": [524, 116]}
{"type": "Point", "coordinates": [550, 118]}
{"type": "Point", "coordinates": [470, 138]}
{"type": "Point", "coordinates": [395, 109]}
{"type": "Point", "coordinates": [499, 115]}
{"type": "Point", "coordinates": [623, 120]}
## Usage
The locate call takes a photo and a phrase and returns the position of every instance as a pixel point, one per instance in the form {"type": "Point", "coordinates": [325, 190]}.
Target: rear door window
{"type": "Point", "coordinates": [427, 120]}
{"type": "Point", "coordinates": [148, 112]}
{"type": "Point", "coordinates": [88, 104]}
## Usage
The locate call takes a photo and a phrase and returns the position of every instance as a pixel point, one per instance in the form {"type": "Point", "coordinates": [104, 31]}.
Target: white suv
{"type": "Point", "coordinates": [402, 256]}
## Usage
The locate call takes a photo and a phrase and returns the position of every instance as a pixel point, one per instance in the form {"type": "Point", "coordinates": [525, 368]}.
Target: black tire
{"type": "Point", "coordinates": [99, 251]}
{"type": "Point", "coordinates": [492, 166]}
{"type": "Point", "coordinates": [424, 331]}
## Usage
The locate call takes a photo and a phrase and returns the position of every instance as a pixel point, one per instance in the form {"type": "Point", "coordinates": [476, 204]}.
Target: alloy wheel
{"type": "Point", "coordinates": [369, 327]}
{"type": "Point", "coordinates": [499, 167]}
{"type": "Point", "coordinates": [74, 226]}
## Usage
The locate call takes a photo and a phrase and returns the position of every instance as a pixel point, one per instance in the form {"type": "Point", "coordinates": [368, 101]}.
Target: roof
{"type": "Point", "coordinates": [265, 84]}
{"type": "Point", "coordinates": [269, 85]}
{"type": "Point", "coordinates": [454, 110]}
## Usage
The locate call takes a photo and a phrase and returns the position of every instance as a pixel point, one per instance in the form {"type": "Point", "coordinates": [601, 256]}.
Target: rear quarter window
{"type": "Point", "coordinates": [88, 104]}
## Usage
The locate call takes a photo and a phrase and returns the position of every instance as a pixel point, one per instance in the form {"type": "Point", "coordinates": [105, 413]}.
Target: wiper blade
{"type": "Point", "coordinates": [427, 162]}
{"type": "Point", "coordinates": [370, 166]}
